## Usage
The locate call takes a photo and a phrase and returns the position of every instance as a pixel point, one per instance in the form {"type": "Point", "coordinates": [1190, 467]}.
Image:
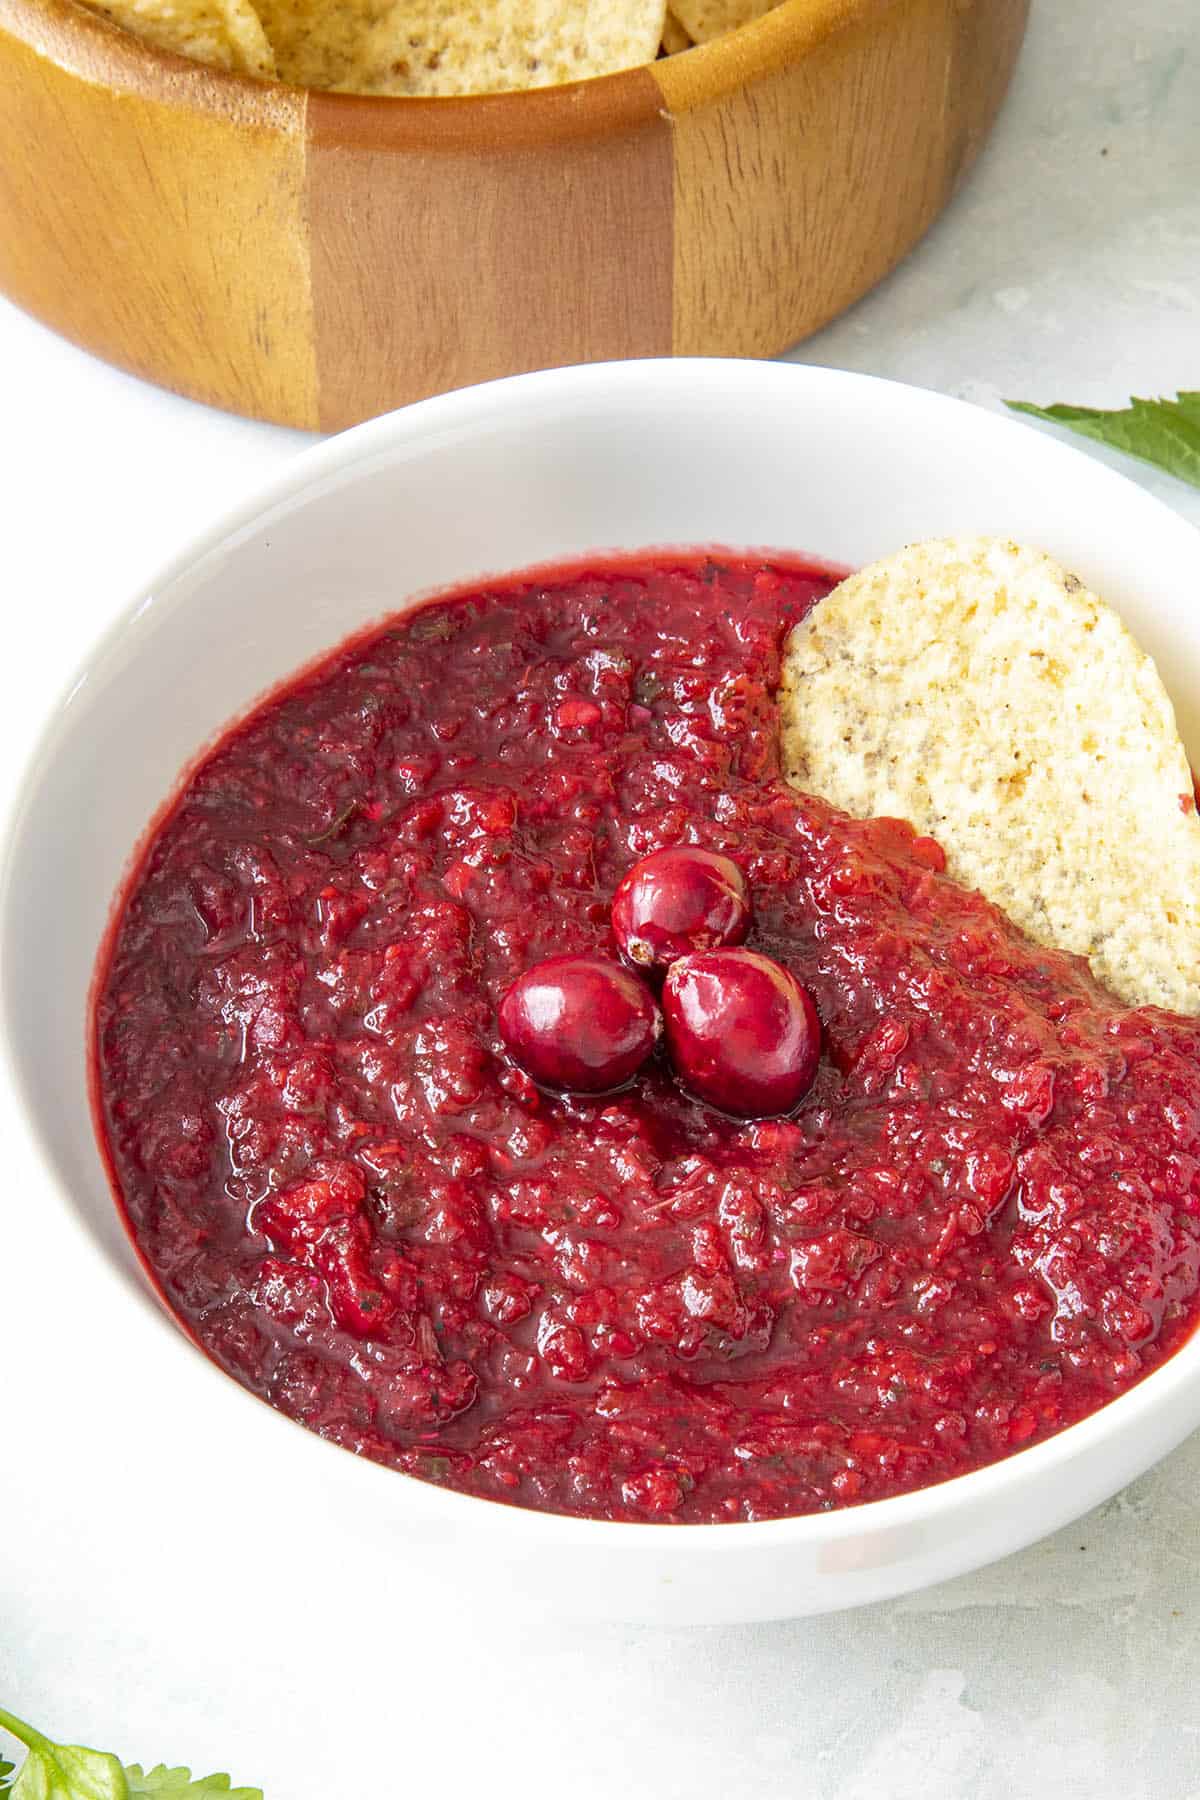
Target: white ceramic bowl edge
{"type": "Point", "coordinates": [621, 456]}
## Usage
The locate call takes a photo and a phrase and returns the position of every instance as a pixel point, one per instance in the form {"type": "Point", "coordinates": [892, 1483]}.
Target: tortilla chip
{"type": "Point", "coordinates": [435, 47]}
{"type": "Point", "coordinates": [705, 19]}
{"type": "Point", "coordinates": [225, 34]}
{"type": "Point", "coordinates": [674, 37]}
{"type": "Point", "coordinates": [979, 691]}
{"type": "Point", "coordinates": [316, 42]}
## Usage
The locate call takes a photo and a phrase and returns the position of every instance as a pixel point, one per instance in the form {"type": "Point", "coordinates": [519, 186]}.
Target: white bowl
{"type": "Point", "coordinates": [489, 479]}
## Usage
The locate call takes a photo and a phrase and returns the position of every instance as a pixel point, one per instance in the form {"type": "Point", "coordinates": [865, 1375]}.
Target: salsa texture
{"type": "Point", "coordinates": [981, 1224]}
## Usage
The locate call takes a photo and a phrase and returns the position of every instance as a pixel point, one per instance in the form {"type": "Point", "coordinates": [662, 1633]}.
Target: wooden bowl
{"type": "Point", "coordinates": [317, 258]}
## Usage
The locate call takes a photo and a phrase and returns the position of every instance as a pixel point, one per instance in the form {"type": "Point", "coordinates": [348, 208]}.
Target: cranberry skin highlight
{"type": "Point", "coordinates": [579, 1024]}
{"type": "Point", "coordinates": [679, 901]}
{"type": "Point", "coordinates": [742, 1032]}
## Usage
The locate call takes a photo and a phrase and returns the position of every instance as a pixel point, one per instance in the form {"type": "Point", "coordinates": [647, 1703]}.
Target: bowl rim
{"type": "Point", "coordinates": [337, 457]}
{"type": "Point", "coordinates": [87, 43]}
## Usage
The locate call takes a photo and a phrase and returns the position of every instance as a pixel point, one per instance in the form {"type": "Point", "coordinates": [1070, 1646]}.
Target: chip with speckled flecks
{"type": "Point", "coordinates": [225, 34]}
{"type": "Point", "coordinates": [440, 48]}
{"type": "Point", "coordinates": [980, 691]}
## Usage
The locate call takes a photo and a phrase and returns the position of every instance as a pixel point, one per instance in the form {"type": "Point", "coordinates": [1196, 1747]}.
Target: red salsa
{"type": "Point", "coordinates": [982, 1222]}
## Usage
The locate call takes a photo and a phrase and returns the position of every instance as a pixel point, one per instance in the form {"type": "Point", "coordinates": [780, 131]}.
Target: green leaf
{"type": "Point", "coordinates": [69, 1772]}
{"type": "Point", "coordinates": [179, 1783]}
{"type": "Point", "coordinates": [1165, 433]}
{"type": "Point", "coordinates": [62, 1771]}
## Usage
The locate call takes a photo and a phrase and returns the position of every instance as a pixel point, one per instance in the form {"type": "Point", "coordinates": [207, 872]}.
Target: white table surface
{"type": "Point", "coordinates": [1068, 269]}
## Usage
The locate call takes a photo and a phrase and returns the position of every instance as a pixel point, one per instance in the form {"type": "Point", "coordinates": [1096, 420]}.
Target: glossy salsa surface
{"type": "Point", "coordinates": [982, 1223]}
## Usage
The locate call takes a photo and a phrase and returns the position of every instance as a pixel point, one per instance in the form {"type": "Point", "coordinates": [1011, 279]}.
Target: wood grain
{"type": "Point", "coordinates": [318, 258]}
{"type": "Point", "coordinates": [806, 167]}
{"type": "Point", "coordinates": [152, 211]}
{"type": "Point", "coordinates": [985, 44]}
{"type": "Point", "coordinates": [454, 241]}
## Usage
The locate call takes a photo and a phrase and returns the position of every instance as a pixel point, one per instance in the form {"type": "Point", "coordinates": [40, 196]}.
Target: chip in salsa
{"type": "Point", "coordinates": [968, 1217]}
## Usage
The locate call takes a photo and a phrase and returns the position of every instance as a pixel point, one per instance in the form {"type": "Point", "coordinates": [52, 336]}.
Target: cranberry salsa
{"type": "Point", "coordinates": [980, 1223]}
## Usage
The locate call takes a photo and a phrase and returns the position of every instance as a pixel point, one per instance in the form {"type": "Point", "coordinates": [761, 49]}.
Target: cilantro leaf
{"type": "Point", "coordinates": [71, 1772]}
{"type": "Point", "coordinates": [177, 1784]}
{"type": "Point", "coordinates": [1165, 433]}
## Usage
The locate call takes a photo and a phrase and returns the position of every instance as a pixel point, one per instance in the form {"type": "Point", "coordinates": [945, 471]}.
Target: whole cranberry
{"type": "Point", "coordinates": [580, 1024]}
{"type": "Point", "coordinates": [678, 901]}
{"type": "Point", "coordinates": [742, 1033]}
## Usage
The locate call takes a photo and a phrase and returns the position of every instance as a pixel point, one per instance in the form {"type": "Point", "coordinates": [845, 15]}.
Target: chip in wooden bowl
{"type": "Point", "coordinates": [674, 37]}
{"type": "Point", "coordinates": [438, 47]}
{"type": "Point", "coordinates": [980, 691]}
{"type": "Point", "coordinates": [319, 258]}
{"type": "Point", "coordinates": [704, 20]}
{"type": "Point", "coordinates": [226, 34]}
